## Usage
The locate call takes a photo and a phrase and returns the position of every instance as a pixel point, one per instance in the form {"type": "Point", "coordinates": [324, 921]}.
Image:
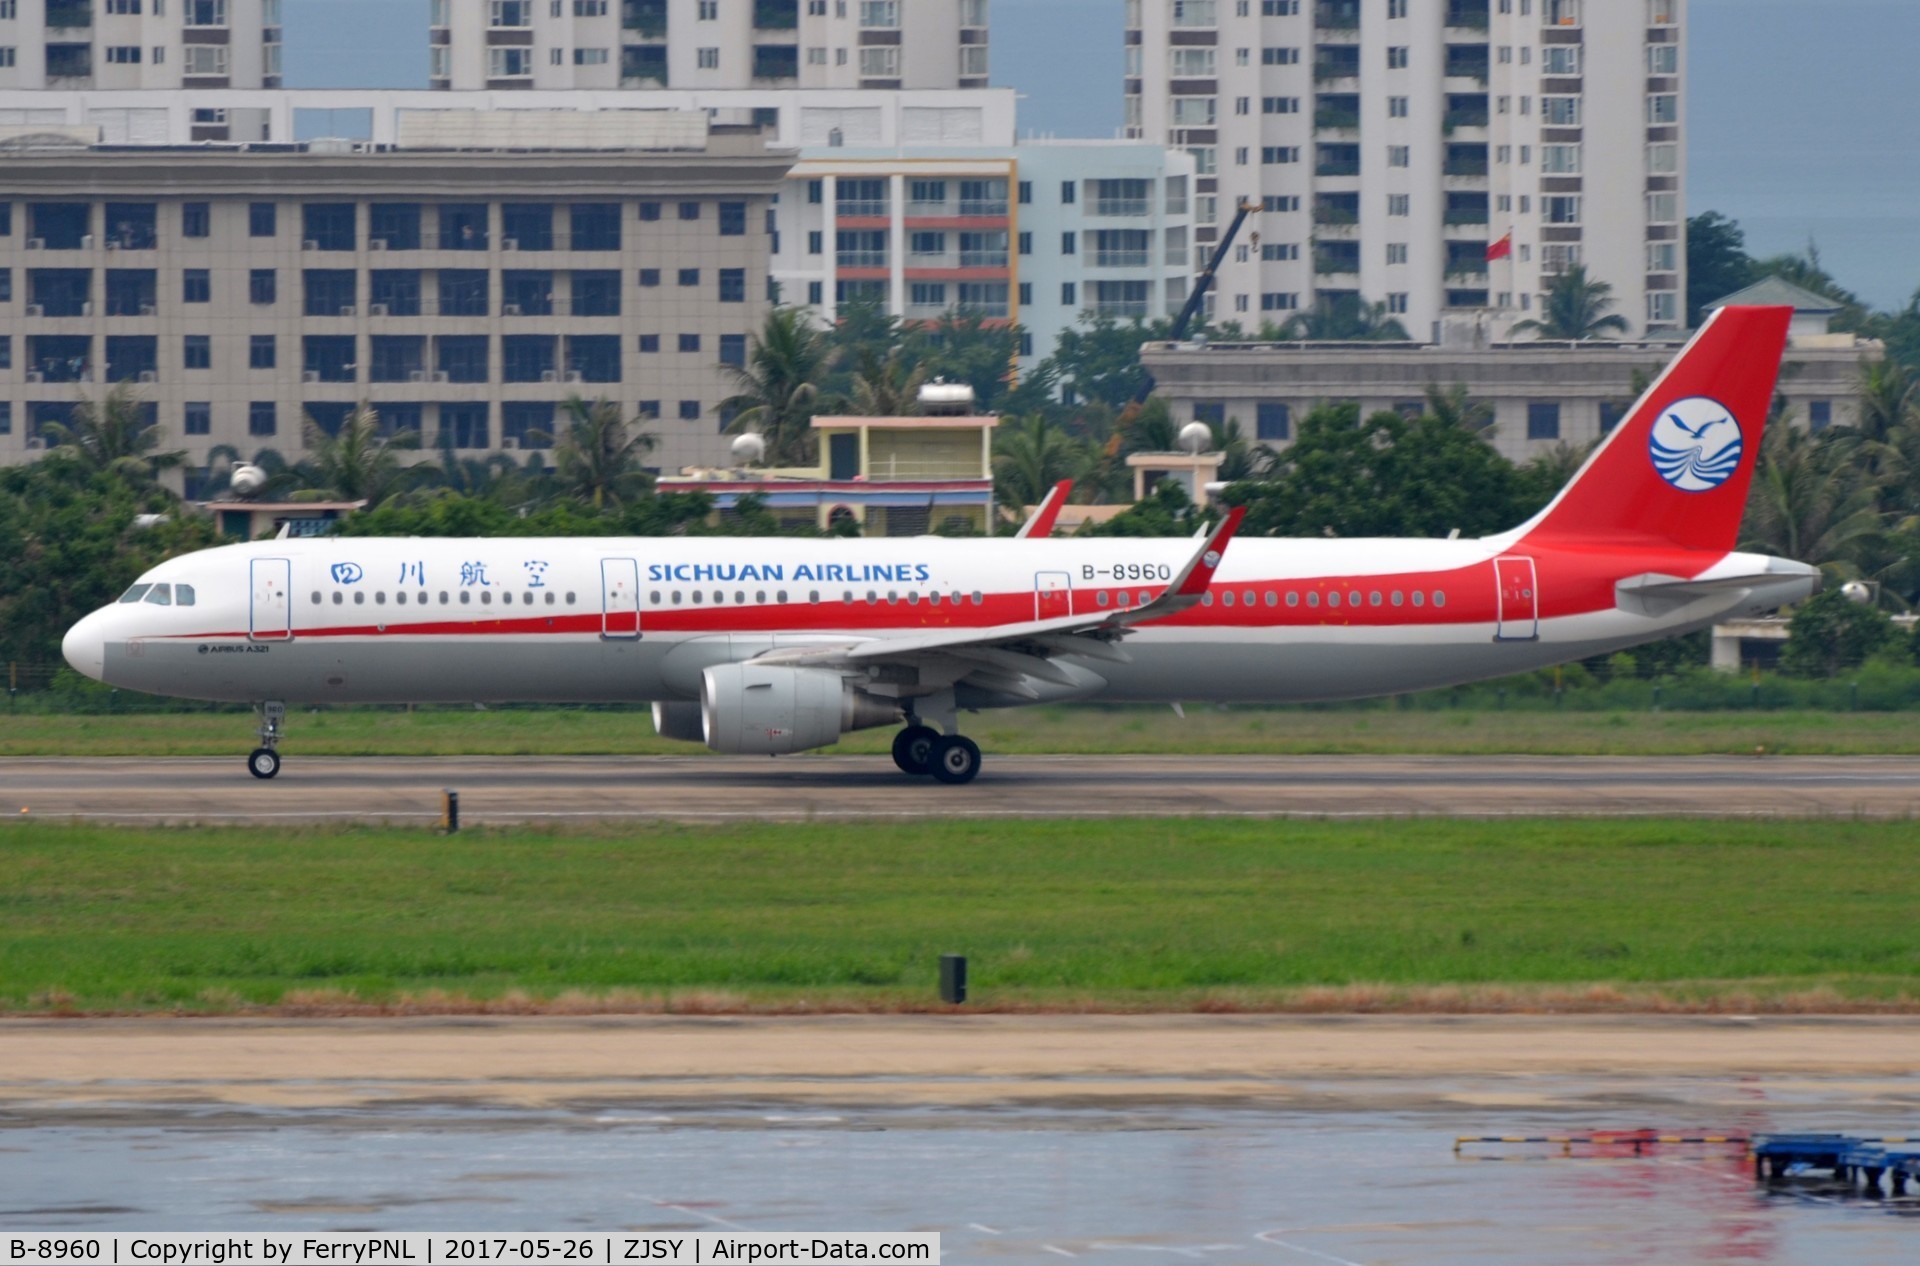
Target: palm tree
{"type": "Point", "coordinates": [360, 463]}
{"type": "Point", "coordinates": [598, 459]}
{"type": "Point", "coordinates": [1889, 399]}
{"type": "Point", "coordinates": [779, 385]}
{"type": "Point", "coordinates": [1345, 319]}
{"type": "Point", "coordinates": [1455, 407]}
{"type": "Point", "coordinates": [1575, 308]}
{"type": "Point", "coordinates": [116, 435]}
{"type": "Point", "coordinates": [1812, 497]}
{"type": "Point", "coordinates": [888, 387]}
{"type": "Point", "coordinates": [1240, 457]}
{"type": "Point", "coordinates": [1030, 456]}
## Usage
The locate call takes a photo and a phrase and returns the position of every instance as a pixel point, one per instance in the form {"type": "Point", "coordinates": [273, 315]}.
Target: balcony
{"type": "Point", "coordinates": [1469, 15]}
{"type": "Point", "coordinates": [645, 18]}
{"type": "Point", "coordinates": [1337, 15]}
{"type": "Point", "coordinates": [861, 208]}
{"type": "Point", "coordinates": [776, 15]}
{"type": "Point", "coordinates": [1122, 259]}
{"type": "Point", "coordinates": [69, 15]}
{"type": "Point", "coordinates": [1464, 116]}
{"type": "Point", "coordinates": [1122, 206]}
{"type": "Point", "coordinates": [1465, 160]}
{"type": "Point", "coordinates": [643, 66]}
{"type": "Point", "coordinates": [1336, 62]}
{"type": "Point", "coordinates": [1335, 118]}
{"type": "Point", "coordinates": [1455, 217]}
{"type": "Point", "coordinates": [1327, 263]}
{"type": "Point", "coordinates": [982, 208]}
{"type": "Point", "coordinates": [983, 259]}
{"type": "Point", "coordinates": [1468, 61]}
{"type": "Point", "coordinates": [1334, 216]}
{"type": "Point", "coordinates": [864, 259]}
{"type": "Point", "coordinates": [776, 61]}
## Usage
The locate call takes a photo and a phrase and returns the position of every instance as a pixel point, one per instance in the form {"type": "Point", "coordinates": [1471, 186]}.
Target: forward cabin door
{"type": "Point", "coordinates": [620, 599]}
{"type": "Point", "coordinates": [1052, 595]}
{"type": "Point", "coordinates": [1519, 600]}
{"type": "Point", "coordinates": [269, 617]}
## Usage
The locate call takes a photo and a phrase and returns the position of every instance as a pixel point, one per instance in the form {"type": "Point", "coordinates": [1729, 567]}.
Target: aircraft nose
{"type": "Point", "coordinates": [85, 646]}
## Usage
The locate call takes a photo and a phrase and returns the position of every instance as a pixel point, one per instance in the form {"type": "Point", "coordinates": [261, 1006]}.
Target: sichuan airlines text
{"type": "Point", "coordinates": [274, 1249]}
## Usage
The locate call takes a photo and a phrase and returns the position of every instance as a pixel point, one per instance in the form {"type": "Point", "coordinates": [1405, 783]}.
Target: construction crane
{"type": "Point", "coordinates": [1201, 285]}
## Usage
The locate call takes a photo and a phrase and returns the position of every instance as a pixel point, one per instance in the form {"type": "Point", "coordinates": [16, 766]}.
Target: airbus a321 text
{"type": "Point", "coordinates": [774, 646]}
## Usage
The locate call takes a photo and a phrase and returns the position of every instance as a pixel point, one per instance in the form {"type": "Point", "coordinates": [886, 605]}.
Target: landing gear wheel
{"type": "Point", "coordinates": [263, 763]}
{"type": "Point", "coordinates": [956, 759]}
{"type": "Point", "coordinates": [913, 749]}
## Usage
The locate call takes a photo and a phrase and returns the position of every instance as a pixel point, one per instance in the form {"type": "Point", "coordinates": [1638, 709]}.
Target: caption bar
{"type": "Point", "coordinates": [438, 1249]}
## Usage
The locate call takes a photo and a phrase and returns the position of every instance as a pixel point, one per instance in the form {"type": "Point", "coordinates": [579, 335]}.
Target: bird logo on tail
{"type": "Point", "coordinates": [1696, 444]}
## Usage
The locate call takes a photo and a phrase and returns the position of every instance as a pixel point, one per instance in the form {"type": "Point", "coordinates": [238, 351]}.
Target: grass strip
{"type": "Point", "coordinates": [1151, 914]}
{"type": "Point", "coordinates": [1031, 731]}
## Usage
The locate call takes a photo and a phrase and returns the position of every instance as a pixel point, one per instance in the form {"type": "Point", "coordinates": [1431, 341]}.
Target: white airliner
{"type": "Point", "coordinates": [774, 646]}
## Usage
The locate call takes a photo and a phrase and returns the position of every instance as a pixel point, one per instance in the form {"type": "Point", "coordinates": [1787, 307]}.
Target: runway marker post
{"type": "Point", "coordinates": [450, 811]}
{"type": "Point", "coordinates": [953, 979]}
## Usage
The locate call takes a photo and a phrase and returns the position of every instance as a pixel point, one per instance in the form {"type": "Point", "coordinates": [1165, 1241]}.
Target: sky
{"type": "Point", "coordinates": [1799, 120]}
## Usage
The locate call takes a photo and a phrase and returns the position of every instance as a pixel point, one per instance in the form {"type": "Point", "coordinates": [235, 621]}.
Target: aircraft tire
{"type": "Point", "coordinates": [263, 762]}
{"type": "Point", "coordinates": [913, 749]}
{"type": "Point", "coordinates": [956, 759]}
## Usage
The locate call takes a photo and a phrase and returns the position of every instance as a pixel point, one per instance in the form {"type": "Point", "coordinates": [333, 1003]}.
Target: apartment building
{"type": "Point", "coordinates": [159, 44]}
{"type": "Point", "coordinates": [1038, 233]}
{"type": "Point", "coordinates": [708, 44]}
{"type": "Point", "coordinates": [465, 294]}
{"type": "Point", "coordinates": [1393, 146]}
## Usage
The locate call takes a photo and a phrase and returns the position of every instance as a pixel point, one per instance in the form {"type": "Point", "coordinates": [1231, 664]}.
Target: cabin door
{"type": "Point", "coordinates": [620, 599]}
{"type": "Point", "coordinates": [269, 618]}
{"type": "Point", "coordinates": [1052, 595]}
{"type": "Point", "coordinates": [1519, 600]}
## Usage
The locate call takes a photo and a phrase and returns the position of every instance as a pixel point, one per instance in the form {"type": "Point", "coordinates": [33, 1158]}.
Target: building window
{"type": "Point", "coordinates": [879, 14]}
{"type": "Point", "coordinates": [198, 353]}
{"type": "Point", "coordinates": [1396, 107]}
{"type": "Point", "coordinates": [262, 352]}
{"type": "Point", "coordinates": [649, 278]}
{"type": "Point", "coordinates": [1560, 209]}
{"type": "Point", "coordinates": [1543, 420]}
{"type": "Point", "coordinates": [649, 342]}
{"type": "Point", "coordinates": [596, 293]}
{"type": "Point", "coordinates": [1819, 414]}
{"type": "Point", "coordinates": [1397, 57]}
{"type": "Point", "coordinates": [689, 342]}
{"type": "Point", "coordinates": [1279, 301]}
{"type": "Point", "coordinates": [733, 350]}
{"type": "Point", "coordinates": [197, 418]}
{"type": "Point", "coordinates": [689, 410]}
{"type": "Point", "coordinates": [1273, 420]}
{"type": "Point", "coordinates": [123, 54]}
{"type": "Point", "coordinates": [206, 60]}
{"type": "Point", "coordinates": [708, 59]}
{"type": "Point", "coordinates": [1663, 108]}
{"type": "Point", "coordinates": [1396, 252]}
{"type": "Point", "coordinates": [733, 219]}
{"type": "Point", "coordinates": [461, 357]}
{"type": "Point", "coordinates": [262, 219]}
{"type": "Point", "coordinates": [1397, 203]}
{"type": "Point", "coordinates": [1560, 160]}
{"type": "Point", "coordinates": [204, 12]}
{"type": "Point", "coordinates": [196, 286]}
{"type": "Point", "coordinates": [262, 418]}
{"type": "Point", "coordinates": [733, 285]}
{"type": "Point", "coordinates": [196, 219]}
{"type": "Point", "coordinates": [595, 226]}
{"type": "Point", "coordinates": [1399, 155]}
{"type": "Point", "coordinates": [689, 276]}
{"type": "Point", "coordinates": [1559, 111]}
{"type": "Point", "coordinates": [1663, 308]}
{"type": "Point", "coordinates": [1068, 294]}
{"type": "Point", "coordinates": [689, 211]}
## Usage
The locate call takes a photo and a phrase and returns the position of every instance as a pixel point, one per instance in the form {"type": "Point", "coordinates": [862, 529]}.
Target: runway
{"type": "Point", "coordinates": [710, 788]}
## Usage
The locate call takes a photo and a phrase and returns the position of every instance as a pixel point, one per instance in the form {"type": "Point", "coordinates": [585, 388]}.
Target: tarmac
{"type": "Point", "coordinates": [709, 788]}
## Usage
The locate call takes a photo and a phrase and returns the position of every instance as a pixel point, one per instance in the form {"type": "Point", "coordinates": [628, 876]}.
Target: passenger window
{"type": "Point", "coordinates": [1313, 599]}
{"type": "Point", "coordinates": [719, 598]}
{"type": "Point", "coordinates": [1419, 598]}
{"type": "Point", "coordinates": [569, 599]}
{"type": "Point", "coordinates": [486, 597]}
{"type": "Point", "coordinates": [135, 594]}
{"type": "Point", "coordinates": [1273, 599]}
{"type": "Point", "coordinates": [740, 597]}
{"type": "Point", "coordinates": [401, 597]}
{"type": "Point", "coordinates": [359, 597]}
{"type": "Point", "coordinates": [380, 599]}
{"type": "Point", "coordinates": [695, 595]}
{"type": "Point", "coordinates": [466, 596]}
{"type": "Point", "coordinates": [781, 597]}
{"type": "Point", "coordinates": [813, 596]}
{"type": "Point", "coordinates": [1293, 597]}
{"type": "Point", "coordinates": [550, 599]}
{"type": "Point", "coordinates": [443, 597]}
{"type": "Point", "coordinates": [161, 595]}
{"type": "Point", "coordinates": [1373, 599]}
{"type": "Point", "coordinates": [978, 597]}
{"type": "Point", "coordinates": [1333, 599]}
{"type": "Point", "coordinates": [316, 597]}
{"type": "Point", "coordinates": [1397, 598]}
{"type": "Point", "coordinates": [1439, 598]}
{"type": "Point", "coordinates": [1206, 599]}
{"type": "Point", "coordinates": [337, 599]}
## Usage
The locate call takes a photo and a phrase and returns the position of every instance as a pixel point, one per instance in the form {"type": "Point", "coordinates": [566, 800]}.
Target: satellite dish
{"type": "Point", "coordinates": [248, 480]}
{"type": "Point", "coordinates": [1196, 437]}
{"type": "Point", "coordinates": [1856, 591]}
{"type": "Point", "coordinates": [749, 449]}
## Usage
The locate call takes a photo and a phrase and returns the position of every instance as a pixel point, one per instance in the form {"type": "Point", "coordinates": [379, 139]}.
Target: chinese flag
{"type": "Point", "coordinates": [1502, 248]}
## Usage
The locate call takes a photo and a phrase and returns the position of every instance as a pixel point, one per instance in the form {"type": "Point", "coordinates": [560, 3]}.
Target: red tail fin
{"type": "Point", "coordinates": [1677, 469]}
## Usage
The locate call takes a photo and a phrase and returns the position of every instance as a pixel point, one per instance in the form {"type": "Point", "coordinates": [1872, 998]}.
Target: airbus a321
{"type": "Point", "coordinates": [757, 646]}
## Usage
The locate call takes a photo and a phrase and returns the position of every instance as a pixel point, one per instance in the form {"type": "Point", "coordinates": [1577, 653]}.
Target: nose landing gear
{"type": "Point", "coordinates": [264, 760]}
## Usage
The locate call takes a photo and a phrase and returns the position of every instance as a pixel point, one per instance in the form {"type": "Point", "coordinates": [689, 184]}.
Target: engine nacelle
{"type": "Point", "coordinates": [770, 709]}
{"type": "Point", "coordinates": [679, 721]}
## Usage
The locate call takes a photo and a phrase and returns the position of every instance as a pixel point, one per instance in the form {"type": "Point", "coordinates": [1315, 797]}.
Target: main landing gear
{"type": "Point", "coordinates": [920, 749]}
{"type": "Point", "coordinates": [264, 760]}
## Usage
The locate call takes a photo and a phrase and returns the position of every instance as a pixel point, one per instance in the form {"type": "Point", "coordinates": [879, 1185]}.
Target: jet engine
{"type": "Point", "coordinates": [679, 721]}
{"type": "Point", "coordinates": [769, 709]}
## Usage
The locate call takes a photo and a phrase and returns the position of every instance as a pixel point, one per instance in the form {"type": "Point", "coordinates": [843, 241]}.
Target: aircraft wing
{"type": "Point", "coordinates": [1004, 656]}
{"type": "Point", "coordinates": [1047, 512]}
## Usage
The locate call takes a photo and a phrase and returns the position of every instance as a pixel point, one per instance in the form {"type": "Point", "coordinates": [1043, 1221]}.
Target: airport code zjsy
{"type": "Point", "coordinates": [279, 1249]}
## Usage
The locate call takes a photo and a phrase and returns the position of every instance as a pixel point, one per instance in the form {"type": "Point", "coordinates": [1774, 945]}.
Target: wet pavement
{"type": "Point", "coordinates": [1344, 1182]}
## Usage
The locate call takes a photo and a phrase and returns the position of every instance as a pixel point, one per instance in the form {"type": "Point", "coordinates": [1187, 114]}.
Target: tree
{"type": "Point", "coordinates": [117, 435]}
{"type": "Point", "coordinates": [962, 347]}
{"type": "Point", "coordinates": [1384, 475]}
{"type": "Point", "coordinates": [1575, 307]}
{"type": "Point", "coordinates": [1100, 360]}
{"type": "Point", "coordinates": [887, 386]}
{"type": "Point", "coordinates": [1167, 510]}
{"type": "Point", "coordinates": [1889, 399]}
{"type": "Point", "coordinates": [1346, 319]}
{"type": "Point", "coordinates": [1455, 407]}
{"type": "Point", "coordinates": [360, 463]}
{"type": "Point", "coordinates": [1831, 633]}
{"type": "Point", "coordinates": [1812, 498]}
{"type": "Point", "coordinates": [1030, 456]}
{"type": "Point", "coordinates": [780, 385]}
{"type": "Point", "coordinates": [1240, 457]}
{"type": "Point", "coordinates": [1717, 262]}
{"type": "Point", "coordinates": [598, 459]}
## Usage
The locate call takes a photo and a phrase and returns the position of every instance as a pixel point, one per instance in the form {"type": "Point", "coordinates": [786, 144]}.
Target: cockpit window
{"type": "Point", "coordinates": [161, 595]}
{"type": "Point", "coordinates": [135, 594]}
{"type": "Point", "coordinates": [183, 595]}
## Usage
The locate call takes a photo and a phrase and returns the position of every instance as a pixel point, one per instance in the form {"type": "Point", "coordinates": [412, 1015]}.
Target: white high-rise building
{"type": "Point", "coordinates": [1391, 145]}
{"type": "Point", "coordinates": [708, 44]}
{"type": "Point", "coordinates": [67, 44]}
